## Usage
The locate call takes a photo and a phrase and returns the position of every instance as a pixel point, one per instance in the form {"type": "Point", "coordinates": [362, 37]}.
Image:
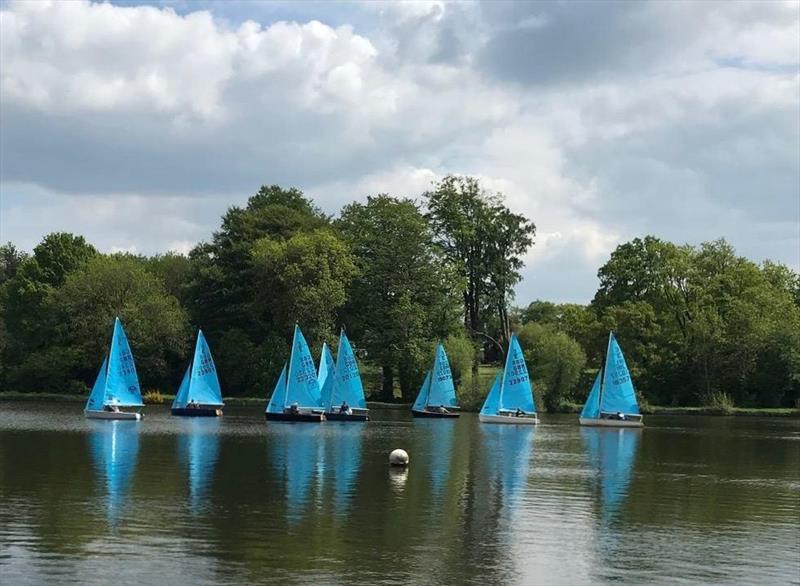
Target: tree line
{"type": "Point", "coordinates": [695, 322]}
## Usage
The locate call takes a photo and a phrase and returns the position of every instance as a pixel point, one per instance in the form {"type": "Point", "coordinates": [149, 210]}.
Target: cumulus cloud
{"type": "Point", "coordinates": [138, 125]}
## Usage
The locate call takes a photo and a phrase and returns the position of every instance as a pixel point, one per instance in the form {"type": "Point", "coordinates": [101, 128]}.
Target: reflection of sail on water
{"type": "Point", "coordinates": [508, 451]}
{"type": "Point", "coordinates": [199, 451]}
{"type": "Point", "coordinates": [114, 446]}
{"type": "Point", "coordinates": [295, 453]}
{"type": "Point", "coordinates": [342, 463]}
{"type": "Point", "coordinates": [439, 436]}
{"type": "Point", "coordinates": [612, 453]}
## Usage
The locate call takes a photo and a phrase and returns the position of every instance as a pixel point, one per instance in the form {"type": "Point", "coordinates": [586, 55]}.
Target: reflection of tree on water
{"type": "Point", "coordinates": [114, 446]}
{"type": "Point", "coordinates": [199, 451]}
{"type": "Point", "coordinates": [508, 450]}
{"type": "Point", "coordinates": [612, 453]}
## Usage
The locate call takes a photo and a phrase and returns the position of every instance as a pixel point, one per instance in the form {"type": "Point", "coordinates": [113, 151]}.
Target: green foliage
{"type": "Point", "coordinates": [719, 403]}
{"type": "Point", "coordinates": [153, 397]}
{"type": "Point", "coordinates": [461, 354]}
{"type": "Point", "coordinates": [555, 363]}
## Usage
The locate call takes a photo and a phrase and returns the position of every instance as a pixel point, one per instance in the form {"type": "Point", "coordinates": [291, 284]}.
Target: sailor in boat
{"type": "Point", "coordinates": [293, 409]}
{"type": "Point", "coordinates": [111, 408]}
{"type": "Point", "coordinates": [345, 408]}
{"type": "Point", "coordinates": [441, 409]}
{"type": "Point", "coordinates": [519, 412]}
{"type": "Point", "coordinates": [192, 404]}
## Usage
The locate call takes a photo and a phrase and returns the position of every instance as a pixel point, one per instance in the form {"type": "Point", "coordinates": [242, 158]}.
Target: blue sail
{"type": "Point", "coordinates": [516, 391]}
{"type": "Point", "coordinates": [492, 403]}
{"type": "Point", "coordinates": [325, 375]}
{"type": "Point", "coordinates": [114, 447]}
{"type": "Point", "coordinates": [122, 383]}
{"type": "Point", "coordinates": [301, 384]}
{"type": "Point", "coordinates": [618, 395]}
{"type": "Point", "coordinates": [591, 409]}
{"type": "Point", "coordinates": [422, 397]}
{"type": "Point", "coordinates": [347, 384]}
{"type": "Point", "coordinates": [182, 396]}
{"type": "Point", "coordinates": [276, 400]}
{"type": "Point", "coordinates": [442, 392]}
{"type": "Point", "coordinates": [204, 386]}
{"type": "Point", "coordinates": [98, 394]}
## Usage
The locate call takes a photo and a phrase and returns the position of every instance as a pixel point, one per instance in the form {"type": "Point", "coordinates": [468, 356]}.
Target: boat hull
{"type": "Point", "coordinates": [531, 419]}
{"type": "Point", "coordinates": [197, 412]}
{"type": "Point", "coordinates": [116, 415]}
{"type": "Point", "coordinates": [295, 417]}
{"type": "Point", "coordinates": [434, 414]}
{"type": "Point", "coordinates": [346, 416]}
{"type": "Point", "coordinates": [610, 422]}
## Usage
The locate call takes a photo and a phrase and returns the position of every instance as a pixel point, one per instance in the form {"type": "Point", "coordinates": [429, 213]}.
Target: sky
{"type": "Point", "coordinates": [139, 124]}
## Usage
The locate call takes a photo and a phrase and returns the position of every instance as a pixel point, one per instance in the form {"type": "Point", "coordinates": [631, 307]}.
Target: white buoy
{"type": "Point", "coordinates": [398, 457]}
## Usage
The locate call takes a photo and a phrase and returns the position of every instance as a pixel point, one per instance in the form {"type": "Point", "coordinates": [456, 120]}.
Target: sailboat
{"type": "Point", "coordinates": [510, 399]}
{"type": "Point", "coordinates": [346, 400]}
{"type": "Point", "coordinates": [199, 394]}
{"type": "Point", "coordinates": [612, 400]}
{"type": "Point", "coordinates": [296, 396]}
{"type": "Point", "coordinates": [117, 385]}
{"type": "Point", "coordinates": [437, 396]}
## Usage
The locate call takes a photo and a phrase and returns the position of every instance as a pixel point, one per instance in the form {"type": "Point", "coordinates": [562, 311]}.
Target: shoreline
{"type": "Point", "coordinates": [653, 410]}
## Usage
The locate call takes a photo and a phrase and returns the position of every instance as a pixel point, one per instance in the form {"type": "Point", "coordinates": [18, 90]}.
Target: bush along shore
{"type": "Point", "coordinates": [701, 326]}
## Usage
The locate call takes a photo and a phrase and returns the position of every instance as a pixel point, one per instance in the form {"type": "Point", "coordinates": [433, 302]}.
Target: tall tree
{"type": "Point", "coordinates": [403, 295]}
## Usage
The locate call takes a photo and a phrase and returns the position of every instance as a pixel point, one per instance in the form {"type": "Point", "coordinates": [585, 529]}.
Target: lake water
{"type": "Point", "coordinates": [236, 500]}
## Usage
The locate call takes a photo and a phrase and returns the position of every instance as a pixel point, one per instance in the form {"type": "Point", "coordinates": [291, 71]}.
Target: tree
{"type": "Point", "coordinates": [403, 296]}
{"type": "Point", "coordinates": [484, 242]}
{"type": "Point", "coordinates": [308, 275]}
{"type": "Point", "coordinates": [555, 363]}
{"type": "Point", "coordinates": [10, 260]}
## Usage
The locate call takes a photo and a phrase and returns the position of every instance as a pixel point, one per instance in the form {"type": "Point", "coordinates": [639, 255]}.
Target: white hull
{"type": "Point", "coordinates": [112, 415]}
{"type": "Point", "coordinates": [610, 422]}
{"type": "Point", "coordinates": [523, 420]}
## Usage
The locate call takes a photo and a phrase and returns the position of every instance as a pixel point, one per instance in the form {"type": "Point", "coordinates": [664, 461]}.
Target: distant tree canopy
{"type": "Point", "coordinates": [400, 275]}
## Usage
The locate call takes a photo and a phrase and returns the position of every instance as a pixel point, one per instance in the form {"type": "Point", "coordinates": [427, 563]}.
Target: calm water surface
{"type": "Point", "coordinates": [236, 500]}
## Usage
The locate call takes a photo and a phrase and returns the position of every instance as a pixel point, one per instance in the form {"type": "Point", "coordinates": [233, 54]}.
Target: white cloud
{"type": "Point", "coordinates": [139, 126]}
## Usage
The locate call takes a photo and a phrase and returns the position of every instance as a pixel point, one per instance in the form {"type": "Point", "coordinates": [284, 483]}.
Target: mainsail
{"type": "Point", "coordinates": [347, 386]}
{"type": "Point", "coordinates": [516, 391]}
{"type": "Point", "coordinates": [203, 385]}
{"type": "Point", "coordinates": [617, 392]}
{"type": "Point", "coordinates": [442, 391]}
{"type": "Point", "coordinates": [122, 383]}
{"type": "Point", "coordinates": [301, 385]}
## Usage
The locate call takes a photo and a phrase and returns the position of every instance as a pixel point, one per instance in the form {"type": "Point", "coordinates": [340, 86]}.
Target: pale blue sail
{"type": "Point", "coordinates": [98, 394]}
{"type": "Point", "coordinates": [122, 383]}
{"type": "Point", "coordinates": [442, 391]}
{"type": "Point", "coordinates": [182, 396]}
{"type": "Point", "coordinates": [276, 400]}
{"type": "Point", "coordinates": [618, 395]}
{"type": "Point", "coordinates": [302, 386]}
{"type": "Point", "coordinates": [492, 403]}
{"type": "Point", "coordinates": [516, 391]}
{"type": "Point", "coordinates": [347, 385]}
{"type": "Point", "coordinates": [326, 373]}
{"type": "Point", "coordinates": [591, 409]}
{"type": "Point", "coordinates": [422, 397]}
{"type": "Point", "coordinates": [204, 386]}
